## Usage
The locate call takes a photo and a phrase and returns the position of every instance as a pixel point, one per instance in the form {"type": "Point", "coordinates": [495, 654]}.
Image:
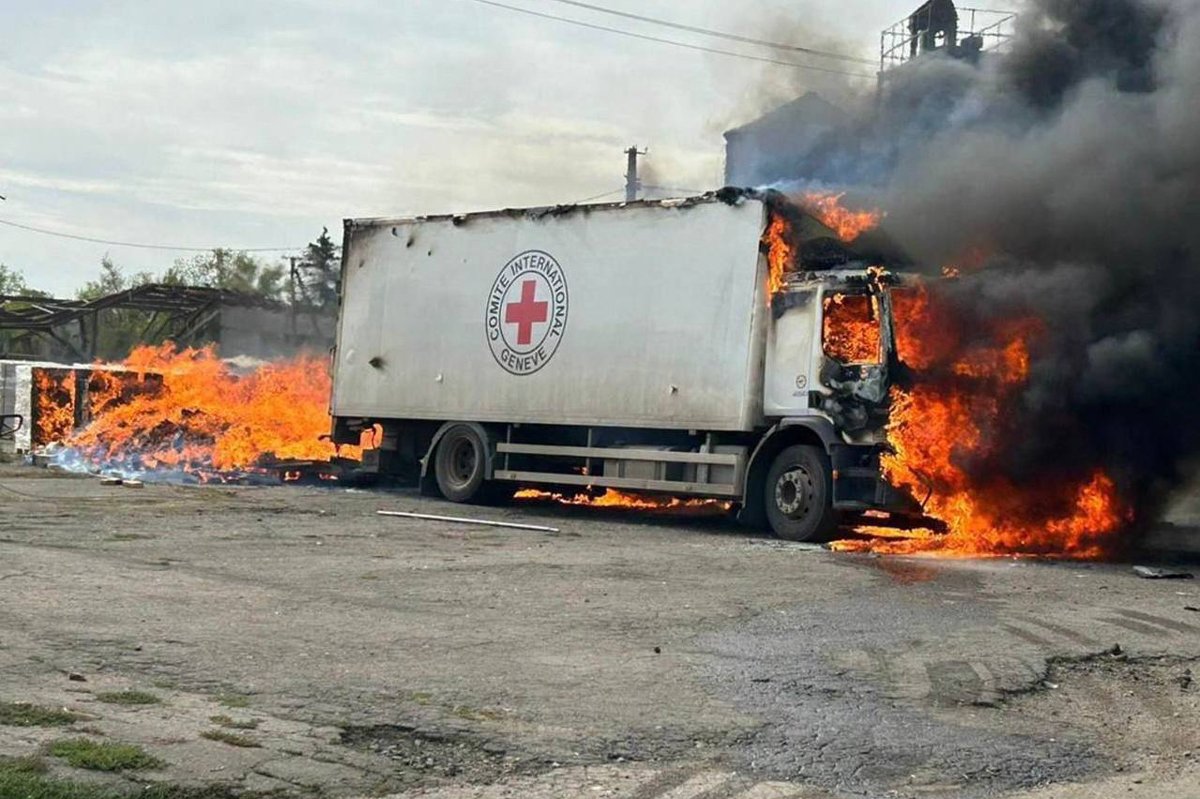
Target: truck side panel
{"type": "Point", "coordinates": [660, 322]}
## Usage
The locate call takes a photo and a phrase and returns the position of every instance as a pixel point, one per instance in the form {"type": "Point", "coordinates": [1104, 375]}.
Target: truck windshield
{"type": "Point", "coordinates": [851, 332]}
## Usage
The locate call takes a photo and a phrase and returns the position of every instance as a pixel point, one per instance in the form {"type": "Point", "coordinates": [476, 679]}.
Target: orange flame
{"type": "Point", "coordinates": [779, 240]}
{"type": "Point", "coordinates": [955, 415]}
{"type": "Point", "coordinates": [187, 410]}
{"type": "Point", "coordinates": [847, 224]}
{"type": "Point", "coordinates": [612, 498]}
{"type": "Point", "coordinates": [55, 404]}
{"type": "Point", "coordinates": [781, 254]}
{"type": "Point", "coordinates": [851, 328]}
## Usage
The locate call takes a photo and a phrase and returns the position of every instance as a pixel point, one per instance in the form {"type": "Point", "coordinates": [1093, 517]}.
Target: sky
{"type": "Point", "coordinates": [255, 123]}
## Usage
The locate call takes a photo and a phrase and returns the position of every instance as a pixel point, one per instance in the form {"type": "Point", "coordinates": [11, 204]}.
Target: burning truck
{"type": "Point", "coordinates": [739, 348]}
{"type": "Point", "coordinates": [735, 346]}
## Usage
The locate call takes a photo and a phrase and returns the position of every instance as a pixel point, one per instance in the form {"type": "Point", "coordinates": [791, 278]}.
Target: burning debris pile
{"type": "Point", "coordinates": [1043, 395]}
{"type": "Point", "coordinates": [188, 413]}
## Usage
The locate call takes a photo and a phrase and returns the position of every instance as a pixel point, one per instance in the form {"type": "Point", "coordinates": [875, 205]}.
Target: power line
{"type": "Point", "coordinates": [672, 42]}
{"type": "Point", "coordinates": [795, 48]}
{"type": "Point", "coordinates": [675, 188]}
{"type": "Point", "coordinates": [598, 196]}
{"type": "Point", "coordinates": [62, 235]}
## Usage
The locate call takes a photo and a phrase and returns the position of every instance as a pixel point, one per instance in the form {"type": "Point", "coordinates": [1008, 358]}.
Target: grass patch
{"type": "Point", "coordinates": [234, 724]}
{"type": "Point", "coordinates": [23, 714]}
{"type": "Point", "coordinates": [22, 765]}
{"type": "Point", "coordinates": [476, 714]}
{"type": "Point", "coordinates": [420, 697]}
{"type": "Point", "coordinates": [231, 738]}
{"type": "Point", "coordinates": [103, 756]}
{"type": "Point", "coordinates": [25, 778]}
{"type": "Point", "coordinates": [128, 698]}
{"type": "Point", "coordinates": [233, 700]}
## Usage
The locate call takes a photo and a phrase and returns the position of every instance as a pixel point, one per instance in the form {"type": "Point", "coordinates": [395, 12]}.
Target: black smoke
{"type": "Point", "coordinates": [1073, 160]}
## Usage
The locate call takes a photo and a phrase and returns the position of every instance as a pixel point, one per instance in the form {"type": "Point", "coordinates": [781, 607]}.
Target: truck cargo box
{"type": "Point", "coordinates": [646, 314]}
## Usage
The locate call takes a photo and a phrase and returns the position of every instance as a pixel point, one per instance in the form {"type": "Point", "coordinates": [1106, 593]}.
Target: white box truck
{"type": "Point", "coordinates": [639, 346]}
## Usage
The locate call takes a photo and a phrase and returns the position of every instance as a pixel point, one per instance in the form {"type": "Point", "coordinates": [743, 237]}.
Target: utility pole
{"type": "Point", "coordinates": [293, 276]}
{"type": "Point", "coordinates": [632, 184]}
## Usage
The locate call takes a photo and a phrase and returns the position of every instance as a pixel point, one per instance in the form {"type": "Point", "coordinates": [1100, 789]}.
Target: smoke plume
{"type": "Point", "coordinates": [1074, 161]}
{"type": "Point", "coordinates": [1067, 170]}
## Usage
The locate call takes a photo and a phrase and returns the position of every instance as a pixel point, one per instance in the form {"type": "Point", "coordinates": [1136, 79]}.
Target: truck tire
{"type": "Point", "coordinates": [460, 463]}
{"type": "Point", "coordinates": [798, 497]}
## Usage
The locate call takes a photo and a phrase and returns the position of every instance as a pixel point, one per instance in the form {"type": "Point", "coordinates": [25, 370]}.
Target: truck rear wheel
{"type": "Point", "coordinates": [798, 495]}
{"type": "Point", "coordinates": [460, 463]}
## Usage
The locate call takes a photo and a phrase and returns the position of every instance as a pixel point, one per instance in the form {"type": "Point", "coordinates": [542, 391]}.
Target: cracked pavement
{"type": "Point", "coordinates": [630, 654]}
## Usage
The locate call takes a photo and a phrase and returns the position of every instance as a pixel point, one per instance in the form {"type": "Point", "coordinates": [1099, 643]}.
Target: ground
{"type": "Point", "coordinates": [290, 639]}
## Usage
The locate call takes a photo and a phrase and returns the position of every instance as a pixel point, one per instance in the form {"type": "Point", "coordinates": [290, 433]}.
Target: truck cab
{"type": "Point", "coordinates": [830, 362]}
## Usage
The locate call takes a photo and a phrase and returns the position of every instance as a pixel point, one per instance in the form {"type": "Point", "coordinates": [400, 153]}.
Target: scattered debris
{"type": "Point", "coordinates": [1154, 573]}
{"type": "Point", "coordinates": [460, 520]}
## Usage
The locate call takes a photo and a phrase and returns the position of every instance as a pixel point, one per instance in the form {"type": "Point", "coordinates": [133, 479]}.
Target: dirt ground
{"type": "Point", "coordinates": [328, 650]}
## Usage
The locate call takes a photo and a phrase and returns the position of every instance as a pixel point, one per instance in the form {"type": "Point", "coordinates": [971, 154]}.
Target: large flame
{"type": "Point", "coordinates": [781, 253]}
{"type": "Point", "coordinates": [952, 417]}
{"type": "Point", "coordinates": [187, 410]}
{"type": "Point", "coordinates": [780, 241]}
{"type": "Point", "coordinates": [54, 404]}
{"type": "Point", "coordinates": [851, 328]}
{"type": "Point", "coordinates": [846, 223]}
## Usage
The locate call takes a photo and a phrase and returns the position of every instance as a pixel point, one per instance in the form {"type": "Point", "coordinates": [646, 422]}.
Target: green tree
{"type": "Point", "coordinates": [112, 279]}
{"type": "Point", "coordinates": [228, 270]}
{"type": "Point", "coordinates": [320, 272]}
{"type": "Point", "coordinates": [12, 284]}
{"type": "Point", "coordinates": [119, 330]}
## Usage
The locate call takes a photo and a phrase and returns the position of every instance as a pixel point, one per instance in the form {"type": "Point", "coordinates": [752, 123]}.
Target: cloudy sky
{"type": "Point", "coordinates": [253, 123]}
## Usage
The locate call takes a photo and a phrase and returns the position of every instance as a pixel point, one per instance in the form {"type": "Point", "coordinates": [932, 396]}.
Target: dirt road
{"type": "Point", "coordinates": [322, 648]}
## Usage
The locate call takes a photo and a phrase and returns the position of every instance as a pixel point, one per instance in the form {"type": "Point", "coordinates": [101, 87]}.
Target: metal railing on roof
{"type": "Point", "coordinates": [980, 30]}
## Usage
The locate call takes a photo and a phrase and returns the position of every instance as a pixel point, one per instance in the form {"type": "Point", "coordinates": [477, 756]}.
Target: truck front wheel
{"type": "Point", "coordinates": [459, 464]}
{"type": "Point", "coordinates": [798, 496]}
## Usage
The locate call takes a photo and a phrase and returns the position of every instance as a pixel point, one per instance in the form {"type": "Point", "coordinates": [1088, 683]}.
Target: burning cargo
{"type": "Point", "coordinates": [180, 415]}
{"type": "Point", "coordinates": [678, 347]}
{"type": "Point", "coordinates": [46, 402]}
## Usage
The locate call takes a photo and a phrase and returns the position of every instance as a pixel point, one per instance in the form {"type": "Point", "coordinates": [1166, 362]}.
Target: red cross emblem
{"type": "Point", "coordinates": [526, 313]}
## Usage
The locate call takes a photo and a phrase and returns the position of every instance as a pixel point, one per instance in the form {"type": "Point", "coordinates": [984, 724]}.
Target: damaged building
{"type": "Point", "coordinates": [810, 139]}
{"type": "Point", "coordinates": [240, 324]}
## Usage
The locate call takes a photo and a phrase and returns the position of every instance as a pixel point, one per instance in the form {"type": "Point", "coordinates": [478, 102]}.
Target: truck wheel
{"type": "Point", "coordinates": [459, 464]}
{"type": "Point", "coordinates": [798, 496]}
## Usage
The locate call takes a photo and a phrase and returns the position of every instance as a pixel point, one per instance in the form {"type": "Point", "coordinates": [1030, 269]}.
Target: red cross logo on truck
{"type": "Point", "coordinates": [526, 313]}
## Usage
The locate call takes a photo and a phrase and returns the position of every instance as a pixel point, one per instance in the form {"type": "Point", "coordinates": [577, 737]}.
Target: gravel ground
{"type": "Point", "coordinates": [631, 654]}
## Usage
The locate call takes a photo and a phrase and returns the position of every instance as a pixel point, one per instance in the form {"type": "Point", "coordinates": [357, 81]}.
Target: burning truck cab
{"type": "Point", "coordinates": [731, 347]}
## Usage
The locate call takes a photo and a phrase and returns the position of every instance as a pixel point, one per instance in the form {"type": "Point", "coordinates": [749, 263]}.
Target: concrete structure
{"type": "Point", "coordinates": [783, 142]}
